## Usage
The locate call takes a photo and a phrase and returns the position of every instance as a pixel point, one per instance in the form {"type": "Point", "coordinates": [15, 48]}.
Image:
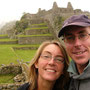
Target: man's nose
{"type": "Point", "coordinates": [77, 41]}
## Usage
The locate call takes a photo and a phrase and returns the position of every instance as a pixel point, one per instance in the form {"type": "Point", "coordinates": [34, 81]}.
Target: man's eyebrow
{"type": "Point", "coordinates": [83, 31]}
{"type": "Point", "coordinates": [66, 34]}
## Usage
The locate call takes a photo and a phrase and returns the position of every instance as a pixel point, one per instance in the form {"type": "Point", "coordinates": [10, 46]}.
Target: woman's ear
{"type": "Point", "coordinates": [36, 64]}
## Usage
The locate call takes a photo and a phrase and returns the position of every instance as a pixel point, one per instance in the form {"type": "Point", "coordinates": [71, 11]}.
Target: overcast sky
{"type": "Point", "coordinates": [13, 9]}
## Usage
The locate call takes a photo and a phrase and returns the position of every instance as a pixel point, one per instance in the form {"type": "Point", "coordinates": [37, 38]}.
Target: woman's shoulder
{"type": "Point", "coordinates": [24, 86]}
{"type": "Point", "coordinates": [66, 87]}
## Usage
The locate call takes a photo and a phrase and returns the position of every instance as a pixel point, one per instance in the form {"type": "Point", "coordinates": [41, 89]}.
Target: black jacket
{"type": "Point", "coordinates": [24, 87]}
{"type": "Point", "coordinates": [27, 85]}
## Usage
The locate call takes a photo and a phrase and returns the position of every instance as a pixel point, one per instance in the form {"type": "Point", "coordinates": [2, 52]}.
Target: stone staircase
{"type": "Point", "coordinates": [4, 39]}
{"type": "Point", "coordinates": [33, 37]}
{"type": "Point", "coordinates": [36, 33]}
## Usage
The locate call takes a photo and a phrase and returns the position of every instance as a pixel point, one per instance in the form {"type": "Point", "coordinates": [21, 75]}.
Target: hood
{"type": "Point", "coordinates": [74, 74]}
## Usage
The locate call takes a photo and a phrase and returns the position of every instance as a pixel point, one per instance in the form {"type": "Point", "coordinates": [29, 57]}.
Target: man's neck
{"type": "Point", "coordinates": [80, 68]}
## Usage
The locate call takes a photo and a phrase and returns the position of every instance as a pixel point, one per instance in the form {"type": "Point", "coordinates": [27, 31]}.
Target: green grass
{"type": "Point", "coordinates": [3, 35]}
{"type": "Point", "coordinates": [37, 28]}
{"type": "Point", "coordinates": [34, 35]}
{"type": "Point", "coordinates": [8, 78]}
{"type": "Point", "coordinates": [38, 24]}
{"type": "Point", "coordinates": [8, 55]}
{"type": "Point", "coordinates": [37, 45]}
{"type": "Point", "coordinates": [6, 40]}
{"type": "Point", "coordinates": [25, 55]}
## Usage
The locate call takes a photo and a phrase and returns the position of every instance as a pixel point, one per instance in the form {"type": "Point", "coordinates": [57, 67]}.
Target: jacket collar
{"type": "Point", "coordinates": [74, 73]}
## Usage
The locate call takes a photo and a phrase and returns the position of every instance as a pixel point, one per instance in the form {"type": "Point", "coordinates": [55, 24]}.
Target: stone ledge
{"type": "Point", "coordinates": [10, 86]}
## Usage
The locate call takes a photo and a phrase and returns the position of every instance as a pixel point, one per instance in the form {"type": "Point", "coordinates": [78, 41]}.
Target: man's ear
{"type": "Point", "coordinates": [36, 64]}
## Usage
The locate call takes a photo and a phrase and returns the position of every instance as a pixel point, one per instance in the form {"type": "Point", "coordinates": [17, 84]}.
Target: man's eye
{"type": "Point", "coordinates": [83, 35]}
{"type": "Point", "coordinates": [70, 38]}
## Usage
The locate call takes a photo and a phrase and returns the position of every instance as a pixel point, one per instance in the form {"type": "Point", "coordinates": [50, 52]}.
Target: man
{"type": "Point", "coordinates": [76, 35]}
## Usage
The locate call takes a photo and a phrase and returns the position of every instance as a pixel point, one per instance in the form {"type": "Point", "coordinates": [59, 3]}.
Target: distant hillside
{"type": "Point", "coordinates": [7, 26]}
{"type": "Point", "coordinates": [2, 24]}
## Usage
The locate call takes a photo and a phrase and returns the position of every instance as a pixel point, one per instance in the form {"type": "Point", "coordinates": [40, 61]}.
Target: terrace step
{"type": "Point", "coordinates": [3, 36]}
{"type": "Point", "coordinates": [40, 30]}
{"type": "Point", "coordinates": [25, 48]}
{"type": "Point", "coordinates": [34, 39]}
{"type": "Point", "coordinates": [36, 21]}
{"type": "Point", "coordinates": [37, 33]}
{"type": "Point", "coordinates": [8, 41]}
{"type": "Point", "coordinates": [38, 25]}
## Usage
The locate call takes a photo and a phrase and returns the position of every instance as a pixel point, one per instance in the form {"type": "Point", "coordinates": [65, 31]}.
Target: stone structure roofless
{"type": "Point", "coordinates": [55, 6]}
{"type": "Point", "coordinates": [69, 6]}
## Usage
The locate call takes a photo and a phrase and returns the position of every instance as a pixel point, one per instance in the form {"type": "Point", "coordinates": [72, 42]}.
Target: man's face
{"type": "Point", "coordinates": [77, 42]}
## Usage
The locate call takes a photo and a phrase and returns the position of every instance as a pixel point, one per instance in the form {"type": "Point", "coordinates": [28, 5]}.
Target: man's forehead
{"type": "Point", "coordinates": [73, 30]}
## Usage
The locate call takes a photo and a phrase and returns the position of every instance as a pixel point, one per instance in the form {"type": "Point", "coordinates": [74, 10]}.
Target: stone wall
{"type": "Point", "coordinates": [3, 36]}
{"type": "Point", "coordinates": [36, 31]}
{"type": "Point", "coordinates": [11, 33]}
{"type": "Point", "coordinates": [13, 69]}
{"type": "Point", "coordinates": [21, 72]}
{"type": "Point", "coordinates": [8, 42]}
{"type": "Point", "coordinates": [25, 48]}
{"type": "Point", "coordinates": [56, 11]}
{"type": "Point", "coordinates": [33, 39]}
{"type": "Point", "coordinates": [10, 86]}
{"type": "Point", "coordinates": [36, 20]}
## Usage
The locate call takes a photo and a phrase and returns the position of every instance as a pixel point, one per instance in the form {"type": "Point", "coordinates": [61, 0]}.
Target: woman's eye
{"type": "Point", "coordinates": [46, 56]}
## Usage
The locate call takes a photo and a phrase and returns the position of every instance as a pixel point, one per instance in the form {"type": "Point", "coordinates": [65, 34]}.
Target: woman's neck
{"type": "Point", "coordinates": [45, 85]}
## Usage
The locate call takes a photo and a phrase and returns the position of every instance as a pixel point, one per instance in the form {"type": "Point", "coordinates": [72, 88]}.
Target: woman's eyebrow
{"type": "Point", "coordinates": [47, 52]}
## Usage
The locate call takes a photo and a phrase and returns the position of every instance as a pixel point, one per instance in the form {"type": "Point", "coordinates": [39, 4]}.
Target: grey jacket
{"type": "Point", "coordinates": [79, 81]}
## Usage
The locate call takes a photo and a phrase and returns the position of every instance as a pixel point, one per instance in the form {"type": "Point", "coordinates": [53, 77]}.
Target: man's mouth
{"type": "Point", "coordinates": [79, 53]}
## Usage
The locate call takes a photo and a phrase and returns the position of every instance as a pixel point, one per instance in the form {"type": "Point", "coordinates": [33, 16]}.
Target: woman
{"type": "Point", "coordinates": [48, 69]}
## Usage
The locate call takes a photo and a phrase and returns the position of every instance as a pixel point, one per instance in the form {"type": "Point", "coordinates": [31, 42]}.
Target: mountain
{"type": "Point", "coordinates": [2, 24]}
{"type": "Point", "coordinates": [7, 26]}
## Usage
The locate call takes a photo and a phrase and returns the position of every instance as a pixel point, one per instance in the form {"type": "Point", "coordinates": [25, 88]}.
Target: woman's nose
{"type": "Point", "coordinates": [52, 61]}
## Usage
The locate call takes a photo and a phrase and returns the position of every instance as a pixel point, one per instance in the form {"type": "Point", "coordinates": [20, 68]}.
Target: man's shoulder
{"type": "Point", "coordinates": [24, 86]}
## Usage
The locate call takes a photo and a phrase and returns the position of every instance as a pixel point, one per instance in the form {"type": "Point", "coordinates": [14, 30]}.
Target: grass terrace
{"type": "Point", "coordinates": [3, 35]}
{"type": "Point", "coordinates": [7, 78]}
{"type": "Point", "coordinates": [37, 28]}
{"type": "Point", "coordinates": [34, 35]}
{"type": "Point", "coordinates": [38, 24]}
{"type": "Point", "coordinates": [6, 40]}
{"type": "Point", "coordinates": [9, 55]}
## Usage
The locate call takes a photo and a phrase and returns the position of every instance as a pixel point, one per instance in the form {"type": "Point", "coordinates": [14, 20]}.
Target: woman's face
{"type": "Point", "coordinates": [50, 64]}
